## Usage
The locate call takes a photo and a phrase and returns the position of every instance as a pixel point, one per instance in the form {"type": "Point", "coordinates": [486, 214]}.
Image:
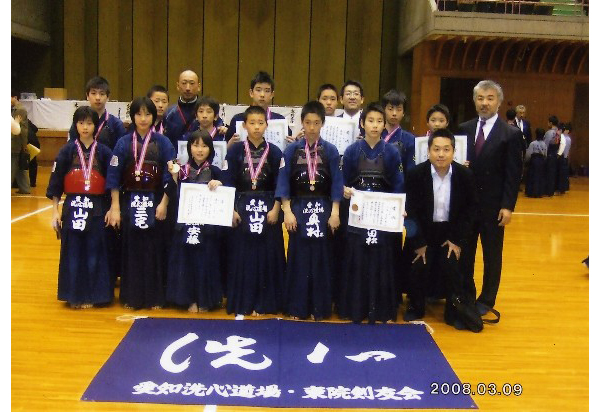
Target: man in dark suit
{"type": "Point", "coordinates": [494, 154]}
{"type": "Point", "coordinates": [523, 124]}
{"type": "Point", "coordinates": [441, 202]}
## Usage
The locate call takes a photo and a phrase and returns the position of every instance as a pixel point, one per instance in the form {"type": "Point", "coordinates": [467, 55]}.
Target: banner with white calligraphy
{"type": "Point", "coordinates": [277, 363]}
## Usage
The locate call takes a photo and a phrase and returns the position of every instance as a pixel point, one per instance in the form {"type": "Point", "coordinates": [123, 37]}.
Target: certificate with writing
{"type": "Point", "coordinates": [460, 149]}
{"type": "Point", "coordinates": [377, 210]}
{"type": "Point", "coordinates": [199, 205]}
{"type": "Point", "coordinates": [339, 132]}
{"type": "Point", "coordinates": [220, 153]}
{"type": "Point", "coordinates": [277, 130]}
{"type": "Point", "coordinates": [182, 154]}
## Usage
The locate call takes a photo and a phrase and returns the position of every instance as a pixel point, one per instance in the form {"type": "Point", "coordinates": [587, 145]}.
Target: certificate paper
{"type": "Point", "coordinates": [339, 132]}
{"type": "Point", "coordinates": [199, 205]}
{"type": "Point", "coordinates": [460, 150]}
{"type": "Point", "coordinates": [182, 154]}
{"type": "Point", "coordinates": [377, 210]}
{"type": "Point", "coordinates": [276, 132]}
{"type": "Point", "coordinates": [220, 153]}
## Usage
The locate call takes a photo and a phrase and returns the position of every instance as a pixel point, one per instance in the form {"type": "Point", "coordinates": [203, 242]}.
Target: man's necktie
{"type": "Point", "coordinates": [480, 139]}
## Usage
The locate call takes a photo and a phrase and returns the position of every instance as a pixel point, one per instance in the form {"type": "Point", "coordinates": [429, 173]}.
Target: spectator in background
{"type": "Point", "coordinates": [18, 144]}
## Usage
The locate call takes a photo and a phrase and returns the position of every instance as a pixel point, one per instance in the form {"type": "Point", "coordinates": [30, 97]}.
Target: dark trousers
{"type": "Point", "coordinates": [437, 262]}
{"type": "Point", "coordinates": [492, 240]}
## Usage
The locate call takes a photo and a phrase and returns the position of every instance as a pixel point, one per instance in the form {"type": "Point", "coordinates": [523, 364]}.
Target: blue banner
{"type": "Point", "coordinates": [277, 363]}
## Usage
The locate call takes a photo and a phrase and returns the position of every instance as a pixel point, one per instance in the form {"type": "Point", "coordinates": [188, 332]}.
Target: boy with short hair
{"type": "Point", "coordinates": [159, 96]}
{"type": "Point", "coordinates": [437, 117]}
{"type": "Point", "coordinates": [328, 97]}
{"type": "Point", "coordinates": [207, 112]}
{"type": "Point", "coordinates": [352, 98]}
{"type": "Point", "coordinates": [110, 128]}
{"type": "Point", "coordinates": [262, 91]}
{"type": "Point", "coordinates": [256, 264]}
{"type": "Point", "coordinates": [440, 201]}
{"type": "Point", "coordinates": [394, 104]}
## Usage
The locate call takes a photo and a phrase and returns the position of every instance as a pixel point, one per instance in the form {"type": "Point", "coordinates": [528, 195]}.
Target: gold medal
{"type": "Point", "coordinates": [312, 188]}
{"type": "Point", "coordinates": [254, 181]}
{"type": "Point", "coordinates": [137, 179]}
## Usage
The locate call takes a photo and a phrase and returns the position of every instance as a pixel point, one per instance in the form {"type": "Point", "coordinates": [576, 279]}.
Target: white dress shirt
{"type": "Point", "coordinates": [441, 195]}
{"type": "Point", "coordinates": [520, 123]}
{"type": "Point", "coordinates": [356, 119]}
{"type": "Point", "coordinates": [489, 123]}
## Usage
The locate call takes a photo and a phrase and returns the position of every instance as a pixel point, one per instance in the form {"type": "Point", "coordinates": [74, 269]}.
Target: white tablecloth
{"type": "Point", "coordinates": [58, 114]}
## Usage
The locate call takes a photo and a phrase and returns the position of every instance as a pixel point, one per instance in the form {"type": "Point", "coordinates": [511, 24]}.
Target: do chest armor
{"type": "Point", "coordinates": [204, 176]}
{"type": "Point", "coordinates": [75, 180]}
{"type": "Point", "coordinates": [371, 175]}
{"type": "Point", "coordinates": [264, 180]}
{"type": "Point", "coordinates": [300, 182]}
{"type": "Point", "coordinates": [150, 175]}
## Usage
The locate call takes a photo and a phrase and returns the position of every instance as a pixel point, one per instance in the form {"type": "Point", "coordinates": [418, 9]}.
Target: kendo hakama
{"type": "Point", "coordinates": [404, 141]}
{"type": "Point", "coordinates": [309, 271]}
{"type": "Point", "coordinates": [144, 238]}
{"type": "Point", "coordinates": [85, 274]}
{"type": "Point", "coordinates": [551, 168]}
{"type": "Point", "coordinates": [194, 271]}
{"type": "Point", "coordinates": [535, 183]}
{"type": "Point", "coordinates": [256, 263]}
{"type": "Point", "coordinates": [368, 286]}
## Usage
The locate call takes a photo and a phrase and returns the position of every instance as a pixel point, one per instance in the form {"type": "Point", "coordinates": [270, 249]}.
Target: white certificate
{"type": "Point", "coordinates": [277, 131]}
{"type": "Point", "coordinates": [339, 132]}
{"type": "Point", "coordinates": [199, 205]}
{"type": "Point", "coordinates": [377, 210]}
{"type": "Point", "coordinates": [422, 151]}
{"type": "Point", "coordinates": [182, 154]}
{"type": "Point", "coordinates": [220, 152]}
{"type": "Point", "coordinates": [460, 150]}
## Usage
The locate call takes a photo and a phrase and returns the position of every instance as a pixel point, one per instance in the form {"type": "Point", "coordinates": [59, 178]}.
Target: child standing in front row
{"type": "Point", "coordinates": [84, 274]}
{"type": "Point", "coordinates": [368, 287]}
{"type": "Point", "coordinates": [256, 266]}
{"type": "Point", "coordinates": [139, 167]}
{"type": "Point", "coordinates": [310, 187]}
{"type": "Point", "coordinates": [194, 274]}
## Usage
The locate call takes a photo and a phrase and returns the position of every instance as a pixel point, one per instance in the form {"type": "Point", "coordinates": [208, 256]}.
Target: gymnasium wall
{"type": "Point", "coordinates": [543, 94]}
{"type": "Point", "coordinates": [301, 43]}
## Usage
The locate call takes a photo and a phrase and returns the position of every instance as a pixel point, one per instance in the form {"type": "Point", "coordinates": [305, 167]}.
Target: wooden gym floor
{"type": "Point", "coordinates": [541, 341]}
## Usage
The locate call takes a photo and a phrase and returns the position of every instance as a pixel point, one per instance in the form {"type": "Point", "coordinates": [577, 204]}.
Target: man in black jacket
{"type": "Point", "coordinates": [441, 202]}
{"type": "Point", "coordinates": [494, 153]}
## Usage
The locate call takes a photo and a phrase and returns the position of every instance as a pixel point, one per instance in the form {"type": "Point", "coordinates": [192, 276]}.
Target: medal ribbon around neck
{"type": "Point", "coordinates": [390, 134]}
{"type": "Point", "coordinates": [310, 164]}
{"type": "Point", "coordinates": [160, 130]}
{"type": "Point", "coordinates": [140, 162]}
{"type": "Point", "coordinates": [101, 124]}
{"type": "Point", "coordinates": [186, 123]}
{"type": "Point", "coordinates": [186, 170]}
{"type": "Point", "coordinates": [255, 172]}
{"type": "Point", "coordinates": [86, 167]}
{"type": "Point", "coordinates": [268, 113]}
{"type": "Point", "coordinates": [213, 132]}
